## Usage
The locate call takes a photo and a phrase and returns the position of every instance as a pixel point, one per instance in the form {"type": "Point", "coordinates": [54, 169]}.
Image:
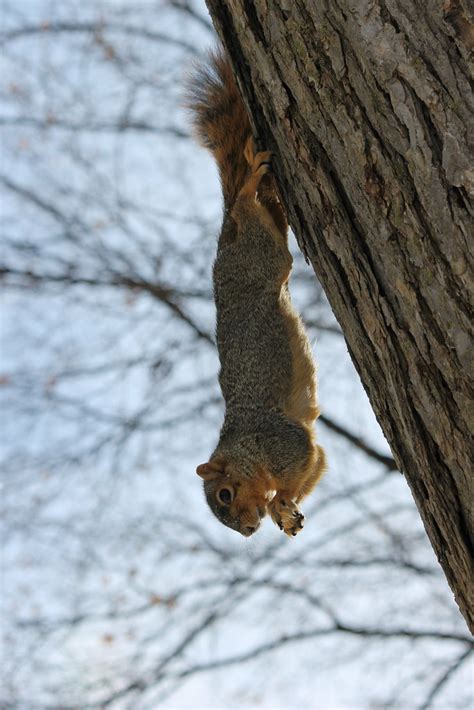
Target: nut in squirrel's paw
{"type": "Point", "coordinates": [286, 514]}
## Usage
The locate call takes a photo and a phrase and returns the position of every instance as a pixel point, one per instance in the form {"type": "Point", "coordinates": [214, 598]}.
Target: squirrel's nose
{"type": "Point", "coordinates": [250, 529]}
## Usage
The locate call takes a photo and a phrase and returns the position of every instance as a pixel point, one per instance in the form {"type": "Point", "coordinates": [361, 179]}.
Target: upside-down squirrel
{"type": "Point", "coordinates": [267, 459]}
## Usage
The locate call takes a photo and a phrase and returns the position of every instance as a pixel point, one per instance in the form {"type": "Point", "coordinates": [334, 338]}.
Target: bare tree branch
{"type": "Point", "coordinates": [121, 126]}
{"type": "Point", "coordinates": [96, 28]}
{"type": "Point", "coordinates": [445, 677]}
{"type": "Point", "coordinates": [359, 443]}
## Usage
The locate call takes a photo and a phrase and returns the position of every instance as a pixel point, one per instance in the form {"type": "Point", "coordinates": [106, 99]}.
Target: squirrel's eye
{"type": "Point", "coordinates": [225, 496]}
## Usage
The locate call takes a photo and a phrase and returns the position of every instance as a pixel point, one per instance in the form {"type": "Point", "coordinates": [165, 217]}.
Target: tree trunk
{"type": "Point", "coordinates": [366, 104]}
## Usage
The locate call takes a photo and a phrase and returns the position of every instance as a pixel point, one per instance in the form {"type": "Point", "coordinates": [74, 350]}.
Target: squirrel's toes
{"type": "Point", "coordinates": [286, 514]}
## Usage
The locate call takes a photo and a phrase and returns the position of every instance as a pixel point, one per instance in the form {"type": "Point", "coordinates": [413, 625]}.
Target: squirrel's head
{"type": "Point", "coordinates": [238, 501]}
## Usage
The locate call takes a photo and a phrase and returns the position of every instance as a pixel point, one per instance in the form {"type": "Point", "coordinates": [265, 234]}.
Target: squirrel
{"type": "Point", "coordinates": [267, 459]}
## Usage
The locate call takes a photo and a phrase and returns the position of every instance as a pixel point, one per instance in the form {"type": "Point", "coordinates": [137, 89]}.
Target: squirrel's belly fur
{"type": "Point", "coordinates": [267, 458]}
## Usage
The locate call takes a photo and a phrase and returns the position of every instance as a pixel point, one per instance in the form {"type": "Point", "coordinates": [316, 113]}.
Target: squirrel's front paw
{"type": "Point", "coordinates": [286, 515]}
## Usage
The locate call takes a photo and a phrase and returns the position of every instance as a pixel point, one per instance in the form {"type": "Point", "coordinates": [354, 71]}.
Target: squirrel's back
{"type": "Point", "coordinates": [220, 120]}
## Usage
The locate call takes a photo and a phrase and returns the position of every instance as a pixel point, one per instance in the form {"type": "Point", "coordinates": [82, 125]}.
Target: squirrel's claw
{"type": "Point", "coordinates": [286, 514]}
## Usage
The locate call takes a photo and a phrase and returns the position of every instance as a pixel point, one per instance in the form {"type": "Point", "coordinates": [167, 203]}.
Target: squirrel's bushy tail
{"type": "Point", "coordinates": [220, 120]}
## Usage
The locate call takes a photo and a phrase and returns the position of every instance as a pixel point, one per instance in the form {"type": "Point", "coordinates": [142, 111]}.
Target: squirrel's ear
{"type": "Point", "coordinates": [210, 470]}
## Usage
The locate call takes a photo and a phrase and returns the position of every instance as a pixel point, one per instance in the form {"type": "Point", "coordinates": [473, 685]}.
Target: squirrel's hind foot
{"type": "Point", "coordinates": [260, 164]}
{"type": "Point", "coordinates": [286, 514]}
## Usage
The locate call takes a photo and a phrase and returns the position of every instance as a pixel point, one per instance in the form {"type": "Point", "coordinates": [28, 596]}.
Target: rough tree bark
{"type": "Point", "coordinates": [367, 105]}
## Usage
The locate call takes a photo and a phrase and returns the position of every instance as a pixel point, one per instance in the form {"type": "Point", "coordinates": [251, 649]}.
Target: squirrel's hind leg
{"type": "Point", "coordinates": [267, 191]}
{"type": "Point", "coordinates": [260, 164]}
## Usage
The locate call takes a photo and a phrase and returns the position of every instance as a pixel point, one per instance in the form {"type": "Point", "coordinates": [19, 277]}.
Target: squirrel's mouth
{"type": "Point", "coordinates": [249, 530]}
